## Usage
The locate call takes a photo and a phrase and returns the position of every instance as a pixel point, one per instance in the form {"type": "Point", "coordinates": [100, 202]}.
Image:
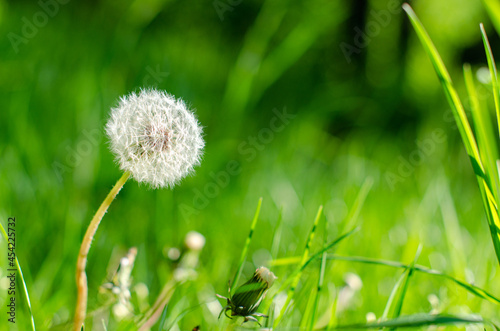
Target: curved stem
{"type": "Point", "coordinates": [81, 276]}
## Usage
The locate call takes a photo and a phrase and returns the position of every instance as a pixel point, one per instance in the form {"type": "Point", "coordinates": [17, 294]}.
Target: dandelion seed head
{"type": "Point", "coordinates": [155, 137]}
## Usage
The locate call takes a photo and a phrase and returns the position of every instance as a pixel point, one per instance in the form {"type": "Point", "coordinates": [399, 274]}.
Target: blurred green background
{"type": "Point", "coordinates": [372, 114]}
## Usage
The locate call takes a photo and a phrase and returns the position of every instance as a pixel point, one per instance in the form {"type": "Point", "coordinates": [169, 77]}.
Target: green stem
{"type": "Point", "coordinates": [81, 276]}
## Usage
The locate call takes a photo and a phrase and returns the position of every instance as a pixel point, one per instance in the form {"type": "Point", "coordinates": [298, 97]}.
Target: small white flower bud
{"type": "Point", "coordinates": [265, 275]}
{"type": "Point", "coordinates": [155, 137]}
{"type": "Point", "coordinates": [353, 281]}
{"type": "Point", "coordinates": [371, 317]}
{"type": "Point", "coordinates": [194, 241]}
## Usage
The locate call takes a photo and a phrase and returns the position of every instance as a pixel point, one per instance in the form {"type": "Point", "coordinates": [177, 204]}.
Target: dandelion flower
{"type": "Point", "coordinates": [157, 141]}
{"type": "Point", "coordinates": [155, 137]}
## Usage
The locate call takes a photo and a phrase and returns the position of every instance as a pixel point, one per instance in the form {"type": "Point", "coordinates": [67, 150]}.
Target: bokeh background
{"type": "Point", "coordinates": [365, 108]}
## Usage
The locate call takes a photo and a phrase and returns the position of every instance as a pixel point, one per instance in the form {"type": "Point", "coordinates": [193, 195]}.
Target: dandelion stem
{"type": "Point", "coordinates": [81, 276]}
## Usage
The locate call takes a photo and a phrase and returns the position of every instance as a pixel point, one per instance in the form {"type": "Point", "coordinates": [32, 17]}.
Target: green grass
{"type": "Point", "coordinates": [354, 124]}
{"type": "Point", "coordinates": [488, 181]}
{"type": "Point", "coordinates": [419, 320]}
{"type": "Point", "coordinates": [244, 252]}
{"type": "Point", "coordinates": [19, 273]}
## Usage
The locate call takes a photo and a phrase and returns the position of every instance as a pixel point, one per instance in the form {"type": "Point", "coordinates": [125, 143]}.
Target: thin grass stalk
{"type": "Point", "coordinates": [493, 72]}
{"type": "Point", "coordinates": [420, 320]}
{"type": "Point", "coordinates": [297, 259]}
{"type": "Point", "coordinates": [392, 296]}
{"type": "Point", "coordinates": [307, 313]}
{"type": "Point", "coordinates": [163, 318]}
{"type": "Point", "coordinates": [450, 92]}
{"type": "Point", "coordinates": [333, 318]}
{"type": "Point", "coordinates": [322, 270]}
{"type": "Point", "coordinates": [355, 209]}
{"type": "Point", "coordinates": [399, 303]}
{"type": "Point", "coordinates": [152, 314]}
{"type": "Point", "coordinates": [452, 228]}
{"type": "Point", "coordinates": [493, 9]}
{"type": "Point", "coordinates": [25, 288]}
{"type": "Point", "coordinates": [477, 291]}
{"type": "Point", "coordinates": [277, 235]}
{"type": "Point", "coordinates": [495, 229]}
{"type": "Point", "coordinates": [463, 125]}
{"type": "Point", "coordinates": [270, 313]}
{"type": "Point", "coordinates": [400, 287]}
{"type": "Point", "coordinates": [486, 138]}
{"type": "Point", "coordinates": [244, 253]}
{"type": "Point", "coordinates": [493, 218]}
{"type": "Point", "coordinates": [278, 231]}
{"type": "Point", "coordinates": [315, 256]}
{"type": "Point", "coordinates": [296, 279]}
{"type": "Point", "coordinates": [81, 276]}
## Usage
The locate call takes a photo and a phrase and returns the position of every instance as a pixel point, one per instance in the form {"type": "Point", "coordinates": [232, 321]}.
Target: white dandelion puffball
{"type": "Point", "coordinates": [155, 137]}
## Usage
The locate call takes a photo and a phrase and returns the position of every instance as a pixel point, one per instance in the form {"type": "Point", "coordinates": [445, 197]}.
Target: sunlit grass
{"type": "Point", "coordinates": [349, 131]}
{"type": "Point", "coordinates": [487, 176]}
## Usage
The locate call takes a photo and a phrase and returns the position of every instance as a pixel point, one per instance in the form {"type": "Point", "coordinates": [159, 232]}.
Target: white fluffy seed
{"type": "Point", "coordinates": [155, 137]}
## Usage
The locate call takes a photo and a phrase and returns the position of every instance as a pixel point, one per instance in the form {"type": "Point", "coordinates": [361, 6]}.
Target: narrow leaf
{"type": "Point", "coordinates": [25, 288]}
{"type": "Point", "coordinates": [418, 320]}
{"type": "Point", "coordinates": [244, 253]}
{"type": "Point", "coordinates": [450, 92]}
{"type": "Point", "coordinates": [298, 273]}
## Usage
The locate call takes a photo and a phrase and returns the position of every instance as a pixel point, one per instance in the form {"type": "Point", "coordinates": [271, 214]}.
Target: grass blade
{"type": "Point", "coordinates": [298, 273]}
{"type": "Point", "coordinates": [163, 318]}
{"type": "Point", "coordinates": [277, 235]}
{"type": "Point", "coordinates": [308, 312]}
{"type": "Point", "coordinates": [25, 288]}
{"type": "Point", "coordinates": [491, 208]}
{"type": "Point", "coordinates": [358, 204]}
{"type": "Point", "coordinates": [449, 89]}
{"type": "Point", "coordinates": [493, 72]}
{"type": "Point", "coordinates": [409, 273]}
{"type": "Point", "coordinates": [328, 247]}
{"type": "Point", "coordinates": [494, 220]}
{"type": "Point", "coordinates": [477, 291]}
{"type": "Point", "coordinates": [401, 286]}
{"type": "Point", "coordinates": [321, 278]}
{"type": "Point", "coordinates": [333, 317]}
{"type": "Point", "coordinates": [463, 125]}
{"type": "Point", "coordinates": [485, 135]}
{"type": "Point", "coordinates": [297, 259]}
{"type": "Point", "coordinates": [392, 297]}
{"type": "Point", "coordinates": [493, 9]}
{"type": "Point", "coordinates": [418, 320]}
{"type": "Point", "coordinates": [244, 253]}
